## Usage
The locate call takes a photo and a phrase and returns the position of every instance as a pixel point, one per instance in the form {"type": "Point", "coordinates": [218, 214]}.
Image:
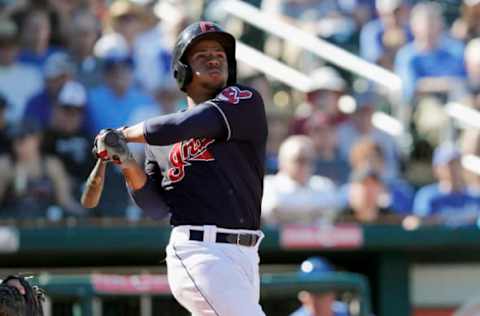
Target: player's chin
{"type": "Point", "coordinates": [217, 80]}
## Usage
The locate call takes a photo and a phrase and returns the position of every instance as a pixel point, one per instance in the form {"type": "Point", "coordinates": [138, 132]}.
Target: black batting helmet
{"type": "Point", "coordinates": [193, 33]}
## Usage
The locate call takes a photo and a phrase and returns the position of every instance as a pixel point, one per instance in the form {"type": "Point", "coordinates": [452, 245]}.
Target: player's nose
{"type": "Point", "coordinates": [213, 61]}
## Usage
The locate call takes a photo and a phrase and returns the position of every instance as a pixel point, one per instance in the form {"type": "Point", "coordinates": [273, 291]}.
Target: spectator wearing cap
{"type": "Point", "coordinates": [381, 38]}
{"type": "Point", "coordinates": [322, 130]}
{"type": "Point", "coordinates": [35, 38]}
{"type": "Point", "coordinates": [18, 81]}
{"type": "Point", "coordinates": [57, 71]}
{"type": "Point", "coordinates": [294, 194]}
{"type": "Point", "coordinates": [360, 125]}
{"type": "Point", "coordinates": [369, 194]}
{"type": "Point", "coordinates": [31, 182]}
{"type": "Point", "coordinates": [145, 38]}
{"type": "Point", "coordinates": [117, 101]}
{"type": "Point", "coordinates": [328, 86]}
{"type": "Point", "coordinates": [318, 303]}
{"type": "Point", "coordinates": [82, 36]}
{"type": "Point", "coordinates": [430, 63]}
{"type": "Point", "coordinates": [66, 139]}
{"type": "Point", "coordinates": [448, 201]}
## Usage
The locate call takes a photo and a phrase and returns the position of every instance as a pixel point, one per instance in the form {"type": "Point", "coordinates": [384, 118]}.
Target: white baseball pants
{"type": "Point", "coordinates": [214, 279]}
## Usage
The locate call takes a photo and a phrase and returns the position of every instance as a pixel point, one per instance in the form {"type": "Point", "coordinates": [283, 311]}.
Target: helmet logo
{"type": "Point", "coordinates": [206, 26]}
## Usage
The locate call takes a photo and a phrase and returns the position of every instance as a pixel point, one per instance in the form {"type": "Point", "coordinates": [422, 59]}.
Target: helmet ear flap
{"type": "Point", "coordinates": [183, 74]}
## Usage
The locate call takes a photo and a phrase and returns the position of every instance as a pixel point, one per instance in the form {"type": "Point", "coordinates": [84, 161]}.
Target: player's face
{"type": "Point", "coordinates": [208, 61]}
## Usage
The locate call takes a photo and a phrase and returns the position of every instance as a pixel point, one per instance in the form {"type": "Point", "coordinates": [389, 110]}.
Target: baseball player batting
{"type": "Point", "coordinates": [210, 179]}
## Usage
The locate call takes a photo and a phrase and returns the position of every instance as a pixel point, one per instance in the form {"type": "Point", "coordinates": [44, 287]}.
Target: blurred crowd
{"type": "Point", "coordinates": [69, 68]}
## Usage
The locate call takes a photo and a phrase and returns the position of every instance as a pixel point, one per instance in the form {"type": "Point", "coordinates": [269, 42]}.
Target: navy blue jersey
{"type": "Point", "coordinates": [207, 163]}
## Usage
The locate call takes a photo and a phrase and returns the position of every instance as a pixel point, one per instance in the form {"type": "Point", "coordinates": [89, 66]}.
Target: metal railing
{"type": "Point", "coordinates": [342, 58]}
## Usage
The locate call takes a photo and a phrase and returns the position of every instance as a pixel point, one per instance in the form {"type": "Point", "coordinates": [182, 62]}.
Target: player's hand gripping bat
{"type": "Point", "coordinates": [94, 185]}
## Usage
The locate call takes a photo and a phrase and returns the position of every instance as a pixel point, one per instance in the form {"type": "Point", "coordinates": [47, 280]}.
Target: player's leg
{"type": "Point", "coordinates": [213, 279]}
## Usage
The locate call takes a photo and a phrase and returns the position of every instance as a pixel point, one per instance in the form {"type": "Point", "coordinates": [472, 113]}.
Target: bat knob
{"type": "Point", "coordinates": [112, 139]}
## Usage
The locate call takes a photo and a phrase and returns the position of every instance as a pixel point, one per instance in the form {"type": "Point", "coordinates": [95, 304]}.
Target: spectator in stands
{"type": "Point", "coordinates": [448, 201]}
{"type": "Point", "coordinates": [318, 303]}
{"type": "Point", "coordinates": [381, 38]}
{"type": "Point", "coordinates": [277, 132]}
{"type": "Point", "coordinates": [145, 39]}
{"type": "Point", "coordinates": [467, 25]}
{"type": "Point", "coordinates": [18, 81]}
{"type": "Point", "coordinates": [117, 102]}
{"type": "Point", "coordinates": [370, 192]}
{"type": "Point", "coordinates": [35, 38]}
{"type": "Point", "coordinates": [4, 138]}
{"type": "Point", "coordinates": [432, 61]}
{"type": "Point", "coordinates": [469, 92]}
{"type": "Point", "coordinates": [325, 19]}
{"type": "Point", "coordinates": [30, 182]}
{"type": "Point", "coordinates": [65, 138]}
{"type": "Point", "coordinates": [294, 194]}
{"type": "Point", "coordinates": [328, 87]}
{"type": "Point", "coordinates": [328, 162]}
{"type": "Point", "coordinates": [83, 34]}
{"type": "Point", "coordinates": [470, 148]}
{"type": "Point", "coordinates": [360, 125]}
{"type": "Point", "coordinates": [57, 71]}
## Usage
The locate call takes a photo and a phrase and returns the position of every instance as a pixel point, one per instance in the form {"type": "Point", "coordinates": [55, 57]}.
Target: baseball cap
{"type": "Point", "coordinates": [445, 153]}
{"type": "Point", "coordinates": [113, 49]}
{"type": "Point", "coordinates": [58, 64]}
{"type": "Point", "coordinates": [327, 78]}
{"type": "Point", "coordinates": [121, 8]}
{"type": "Point", "coordinates": [72, 94]}
{"type": "Point", "coordinates": [387, 6]}
{"type": "Point", "coordinates": [315, 266]}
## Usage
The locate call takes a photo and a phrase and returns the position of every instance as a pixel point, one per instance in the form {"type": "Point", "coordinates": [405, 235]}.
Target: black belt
{"type": "Point", "coordinates": [248, 240]}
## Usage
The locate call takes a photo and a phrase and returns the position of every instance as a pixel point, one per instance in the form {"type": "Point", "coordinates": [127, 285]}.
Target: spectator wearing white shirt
{"type": "Point", "coordinates": [294, 194]}
{"type": "Point", "coordinates": [18, 81]}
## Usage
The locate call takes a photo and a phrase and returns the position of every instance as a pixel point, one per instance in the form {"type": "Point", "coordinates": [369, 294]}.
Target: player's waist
{"type": "Point", "coordinates": [214, 234]}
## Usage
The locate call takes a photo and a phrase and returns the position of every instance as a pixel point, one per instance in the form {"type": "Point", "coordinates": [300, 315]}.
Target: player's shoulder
{"type": "Point", "coordinates": [237, 93]}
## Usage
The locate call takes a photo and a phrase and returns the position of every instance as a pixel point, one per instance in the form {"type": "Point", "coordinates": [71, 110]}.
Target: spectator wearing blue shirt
{"type": "Point", "coordinates": [448, 201]}
{"type": "Point", "coordinates": [382, 37]}
{"type": "Point", "coordinates": [35, 38]}
{"type": "Point", "coordinates": [328, 162]}
{"type": "Point", "coordinates": [318, 303]}
{"type": "Point", "coordinates": [57, 71]}
{"type": "Point", "coordinates": [369, 171]}
{"type": "Point", "coordinates": [432, 61]}
{"type": "Point", "coordinates": [117, 101]}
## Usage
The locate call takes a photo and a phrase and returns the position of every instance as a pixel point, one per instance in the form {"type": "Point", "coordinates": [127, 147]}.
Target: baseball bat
{"type": "Point", "coordinates": [94, 185]}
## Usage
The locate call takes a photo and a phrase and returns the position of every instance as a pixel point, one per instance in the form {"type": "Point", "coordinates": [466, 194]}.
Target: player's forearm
{"type": "Point", "coordinates": [134, 133]}
{"type": "Point", "coordinates": [134, 176]}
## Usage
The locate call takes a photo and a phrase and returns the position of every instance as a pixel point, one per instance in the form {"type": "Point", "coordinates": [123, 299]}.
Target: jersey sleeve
{"type": "Point", "coordinates": [243, 113]}
{"type": "Point", "coordinates": [202, 121]}
{"type": "Point", "coordinates": [149, 197]}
